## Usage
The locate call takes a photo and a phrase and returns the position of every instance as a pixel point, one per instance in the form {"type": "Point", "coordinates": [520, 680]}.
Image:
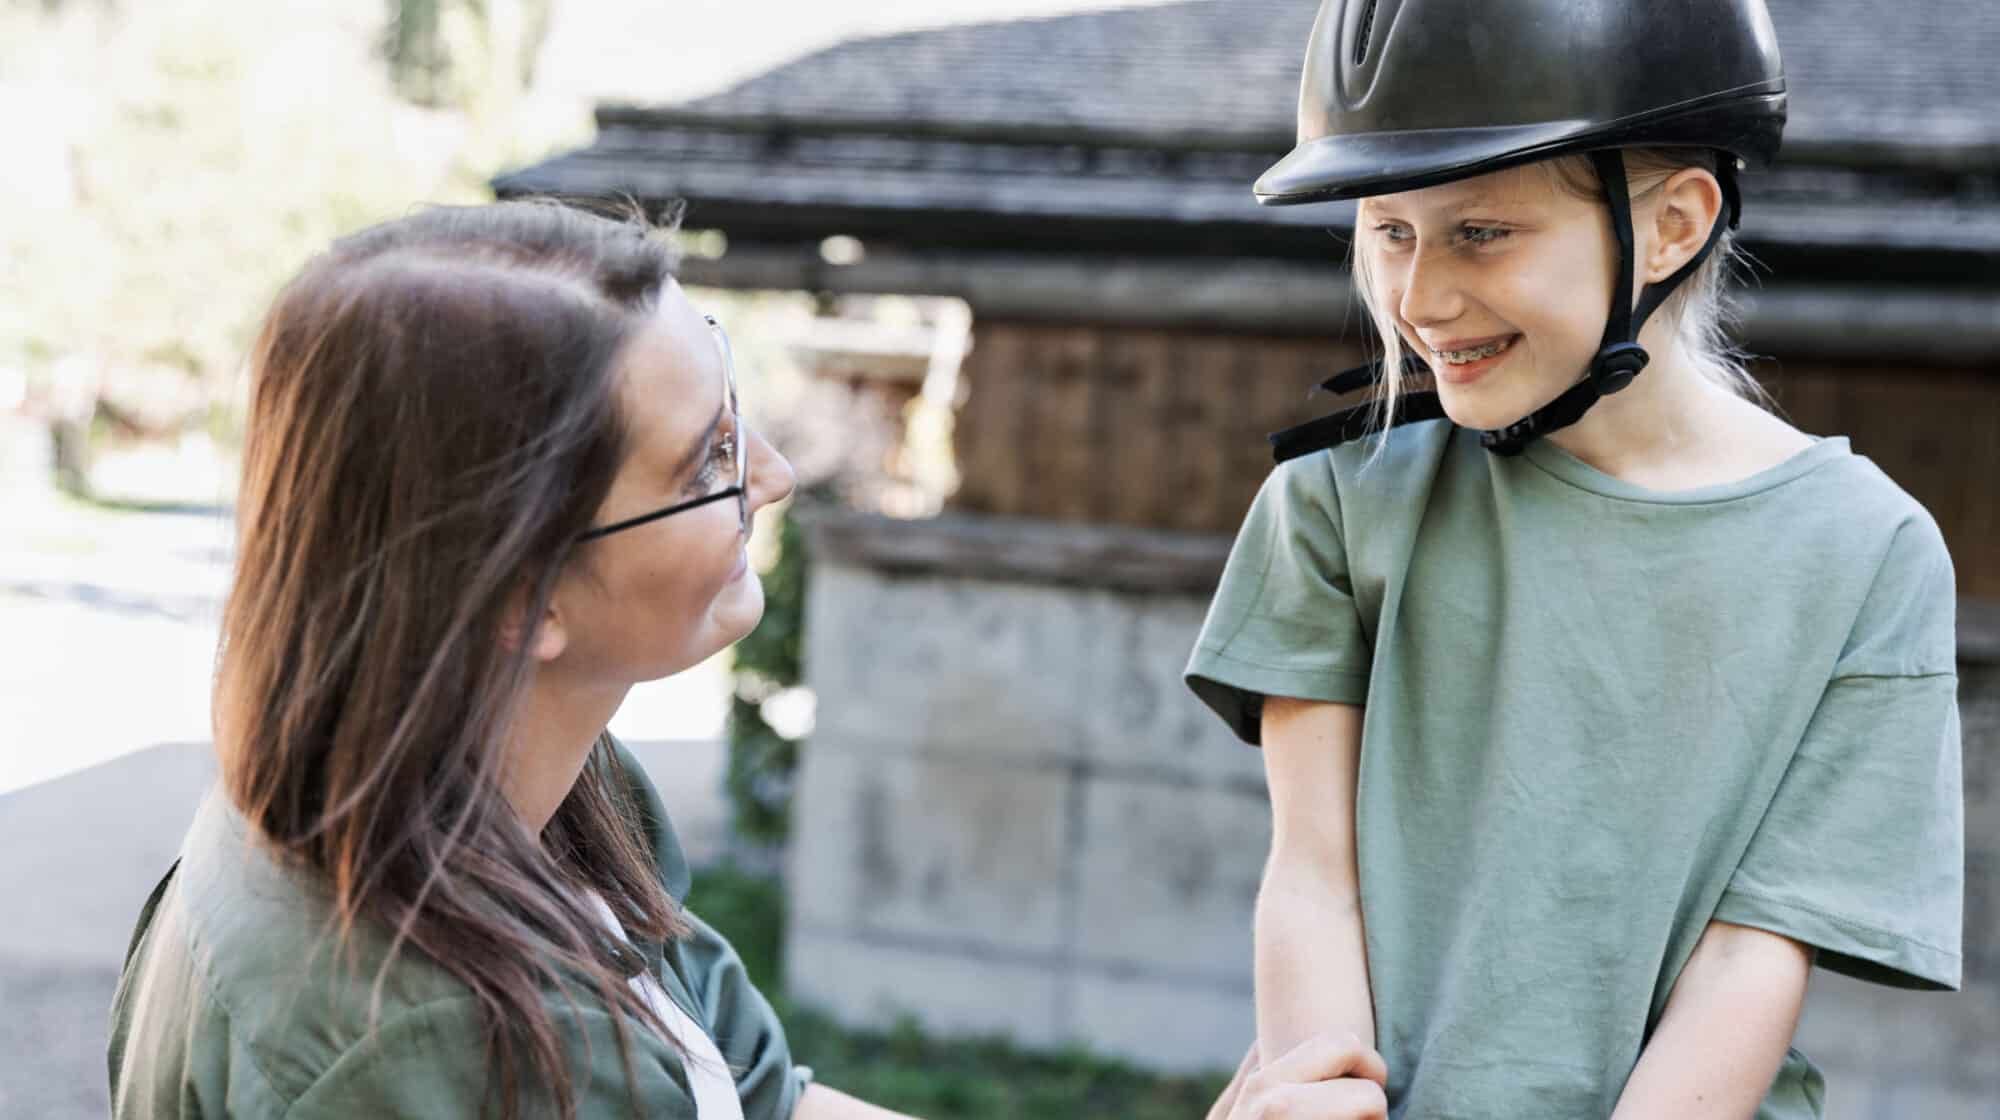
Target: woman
{"type": "Point", "coordinates": [1597, 702]}
{"type": "Point", "coordinates": [495, 475]}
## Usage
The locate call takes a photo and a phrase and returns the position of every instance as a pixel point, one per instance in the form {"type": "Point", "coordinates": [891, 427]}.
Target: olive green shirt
{"type": "Point", "coordinates": [1597, 718]}
{"type": "Point", "coordinates": [245, 1010]}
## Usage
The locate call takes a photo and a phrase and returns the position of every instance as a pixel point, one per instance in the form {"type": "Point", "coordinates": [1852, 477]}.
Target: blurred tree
{"type": "Point", "coordinates": [463, 53]}
{"type": "Point", "coordinates": [170, 164]}
{"type": "Point", "coordinates": [415, 50]}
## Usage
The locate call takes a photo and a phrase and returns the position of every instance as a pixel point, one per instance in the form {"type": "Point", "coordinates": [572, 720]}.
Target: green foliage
{"type": "Point", "coordinates": [762, 761]}
{"type": "Point", "coordinates": [413, 45]}
{"type": "Point", "coordinates": [987, 1080]}
{"type": "Point", "coordinates": [452, 53]}
{"type": "Point", "coordinates": [175, 162]}
{"type": "Point", "coordinates": [902, 1069]}
{"type": "Point", "coordinates": [750, 911]}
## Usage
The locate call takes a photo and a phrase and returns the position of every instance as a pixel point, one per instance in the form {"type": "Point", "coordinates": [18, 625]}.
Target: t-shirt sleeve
{"type": "Point", "coordinates": [1861, 853]}
{"type": "Point", "coordinates": [741, 1021]}
{"type": "Point", "coordinates": [1284, 620]}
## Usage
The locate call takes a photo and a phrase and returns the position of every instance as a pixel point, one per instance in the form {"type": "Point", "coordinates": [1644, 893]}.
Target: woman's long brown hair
{"type": "Point", "coordinates": [433, 420]}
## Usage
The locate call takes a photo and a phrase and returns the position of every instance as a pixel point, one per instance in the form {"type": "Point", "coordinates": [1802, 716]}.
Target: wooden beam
{"type": "Point", "coordinates": [1979, 631]}
{"type": "Point", "coordinates": [1920, 326]}
{"type": "Point", "coordinates": [1218, 293]}
{"type": "Point", "coordinates": [1940, 327]}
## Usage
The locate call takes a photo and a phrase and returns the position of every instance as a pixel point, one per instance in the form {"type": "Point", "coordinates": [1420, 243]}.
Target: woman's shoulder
{"type": "Point", "coordinates": [247, 951]}
{"type": "Point", "coordinates": [269, 1004]}
{"type": "Point", "coordinates": [259, 920]}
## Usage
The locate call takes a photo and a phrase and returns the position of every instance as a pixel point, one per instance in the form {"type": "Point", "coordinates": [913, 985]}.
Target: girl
{"type": "Point", "coordinates": [1597, 703]}
{"type": "Point", "coordinates": [495, 475]}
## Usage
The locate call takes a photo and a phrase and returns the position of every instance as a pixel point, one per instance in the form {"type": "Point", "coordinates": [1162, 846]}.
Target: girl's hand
{"type": "Point", "coordinates": [1326, 1077]}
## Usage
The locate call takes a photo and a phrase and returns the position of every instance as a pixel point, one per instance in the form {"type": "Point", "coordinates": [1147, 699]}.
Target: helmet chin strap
{"type": "Point", "coordinates": [1618, 360]}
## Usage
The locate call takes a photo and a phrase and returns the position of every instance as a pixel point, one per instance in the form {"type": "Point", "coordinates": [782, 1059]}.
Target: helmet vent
{"type": "Point", "coordinates": [1365, 32]}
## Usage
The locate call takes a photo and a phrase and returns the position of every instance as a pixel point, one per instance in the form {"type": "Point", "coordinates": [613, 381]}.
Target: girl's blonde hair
{"type": "Point", "coordinates": [1701, 311]}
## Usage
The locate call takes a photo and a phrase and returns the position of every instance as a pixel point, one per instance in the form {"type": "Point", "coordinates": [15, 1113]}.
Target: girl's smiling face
{"type": "Point", "coordinates": [1501, 283]}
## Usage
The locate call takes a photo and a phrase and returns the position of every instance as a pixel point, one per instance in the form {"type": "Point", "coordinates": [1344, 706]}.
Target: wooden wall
{"type": "Point", "coordinates": [1165, 429]}
{"type": "Point", "coordinates": [1936, 432]}
{"type": "Point", "coordinates": [1159, 429]}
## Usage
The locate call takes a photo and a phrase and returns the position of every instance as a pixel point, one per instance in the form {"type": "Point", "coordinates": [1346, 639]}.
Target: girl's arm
{"type": "Point", "coordinates": [1311, 962]}
{"type": "Point", "coordinates": [1726, 1028]}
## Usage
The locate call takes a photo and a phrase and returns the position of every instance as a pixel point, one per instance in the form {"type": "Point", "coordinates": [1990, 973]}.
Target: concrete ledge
{"type": "Point", "coordinates": [1022, 550]}
{"type": "Point", "coordinates": [1025, 550]}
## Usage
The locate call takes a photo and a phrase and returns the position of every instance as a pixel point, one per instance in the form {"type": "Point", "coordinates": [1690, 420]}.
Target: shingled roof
{"type": "Point", "coordinates": [1139, 130]}
{"type": "Point", "coordinates": [1915, 81]}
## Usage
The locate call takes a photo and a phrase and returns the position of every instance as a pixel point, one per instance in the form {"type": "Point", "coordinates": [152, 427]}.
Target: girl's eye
{"type": "Point", "coordinates": [1394, 234]}
{"type": "Point", "coordinates": [1481, 235]}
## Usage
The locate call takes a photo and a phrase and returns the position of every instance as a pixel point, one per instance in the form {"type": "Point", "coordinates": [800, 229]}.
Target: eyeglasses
{"type": "Point", "coordinates": [734, 443]}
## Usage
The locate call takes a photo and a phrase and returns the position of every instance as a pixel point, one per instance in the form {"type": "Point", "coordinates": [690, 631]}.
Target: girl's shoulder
{"type": "Point", "coordinates": [1379, 472]}
{"type": "Point", "coordinates": [1848, 506]}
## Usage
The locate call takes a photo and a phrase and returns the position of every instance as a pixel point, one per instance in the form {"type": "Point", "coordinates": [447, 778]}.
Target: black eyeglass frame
{"type": "Point", "coordinates": [739, 446]}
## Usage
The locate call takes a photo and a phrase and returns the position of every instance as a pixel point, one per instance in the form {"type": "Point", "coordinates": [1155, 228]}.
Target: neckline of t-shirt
{"type": "Point", "coordinates": [1568, 468]}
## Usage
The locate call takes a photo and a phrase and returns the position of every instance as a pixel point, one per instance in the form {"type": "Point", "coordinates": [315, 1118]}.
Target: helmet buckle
{"type": "Point", "coordinates": [1616, 365]}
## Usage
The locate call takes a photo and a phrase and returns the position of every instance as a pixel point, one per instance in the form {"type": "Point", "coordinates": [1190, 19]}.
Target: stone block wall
{"type": "Point", "coordinates": [1013, 818]}
{"type": "Point", "coordinates": [1891, 1054]}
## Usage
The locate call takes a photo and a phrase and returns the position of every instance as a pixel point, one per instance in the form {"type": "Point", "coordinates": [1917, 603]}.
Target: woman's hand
{"type": "Point", "coordinates": [1326, 1077]}
{"type": "Point", "coordinates": [822, 1103]}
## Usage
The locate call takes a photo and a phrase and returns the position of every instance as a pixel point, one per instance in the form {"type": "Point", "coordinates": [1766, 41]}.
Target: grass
{"type": "Point", "coordinates": [905, 1070]}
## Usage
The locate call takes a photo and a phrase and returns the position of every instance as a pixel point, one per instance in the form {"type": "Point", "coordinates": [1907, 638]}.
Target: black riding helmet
{"type": "Point", "coordinates": [1401, 94]}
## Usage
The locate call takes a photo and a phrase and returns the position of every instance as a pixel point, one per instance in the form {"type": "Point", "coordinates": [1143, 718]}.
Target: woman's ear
{"type": "Point", "coordinates": [548, 639]}
{"type": "Point", "coordinates": [1690, 205]}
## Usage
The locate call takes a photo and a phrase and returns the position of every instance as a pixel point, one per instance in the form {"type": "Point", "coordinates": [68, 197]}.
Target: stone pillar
{"type": "Point", "coordinates": [1011, 817]}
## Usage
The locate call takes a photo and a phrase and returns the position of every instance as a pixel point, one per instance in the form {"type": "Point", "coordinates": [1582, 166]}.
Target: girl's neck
{"type": "Point", "coordinates": [1675, 429]}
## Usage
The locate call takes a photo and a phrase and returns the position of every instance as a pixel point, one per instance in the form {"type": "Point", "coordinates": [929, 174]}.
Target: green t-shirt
{"type": "Point", "coordinates": [1597, 717]}
{"type": "Point", "coordinates": [246, 1012]}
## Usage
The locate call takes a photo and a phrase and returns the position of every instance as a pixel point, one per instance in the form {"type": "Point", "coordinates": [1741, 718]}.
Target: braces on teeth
{"type": "Point", "coordinates": [1461, 357]}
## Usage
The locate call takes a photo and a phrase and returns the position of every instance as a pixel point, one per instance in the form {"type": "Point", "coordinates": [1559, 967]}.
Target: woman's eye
{"type": "Point", "coordinates": [1394, 234]}
{"type": "Point", "coordinates": [721, 455]}
{"type": "Point", "coordinates": [1481, 235]}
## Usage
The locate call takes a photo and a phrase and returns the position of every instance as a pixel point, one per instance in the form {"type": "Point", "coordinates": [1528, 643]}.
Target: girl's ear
{"type": "Point", "coordinates": [1690, 205]}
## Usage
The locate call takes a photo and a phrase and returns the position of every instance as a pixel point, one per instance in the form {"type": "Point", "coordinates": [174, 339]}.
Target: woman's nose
{"type": "Point", "coordinates": [771, 477]}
